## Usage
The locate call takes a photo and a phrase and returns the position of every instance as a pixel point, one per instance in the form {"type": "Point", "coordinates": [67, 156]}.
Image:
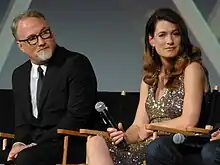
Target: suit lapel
{"type": "Point", "coordinates": [26, 88]}
{"type": "Point", "coordinates": [48, 80]}
{"type": "Point", "coordinates": [50, 75]}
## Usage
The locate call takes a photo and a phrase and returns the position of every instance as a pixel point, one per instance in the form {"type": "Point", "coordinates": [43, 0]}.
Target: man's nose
{"type": "Point", "coordinates": [41, 41]}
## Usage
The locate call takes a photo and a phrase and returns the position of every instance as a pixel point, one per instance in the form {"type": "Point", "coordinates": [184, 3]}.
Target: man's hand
{"type": "Point", "coordinates": [16, 148]}
{"type": "Point", "coordinates": [215, 135]}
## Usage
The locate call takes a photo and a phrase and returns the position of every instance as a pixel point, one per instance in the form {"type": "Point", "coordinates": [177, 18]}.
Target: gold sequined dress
{"type": "Point", "coordinates": [169, 106]}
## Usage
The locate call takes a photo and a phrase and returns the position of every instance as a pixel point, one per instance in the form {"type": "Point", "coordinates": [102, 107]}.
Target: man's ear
{"type": "Point", "coordinates": [52, 34]}
{"type": "Point", "coordinates": [20, 46]}
{"type": "Point", "coordinates": [151, 41]}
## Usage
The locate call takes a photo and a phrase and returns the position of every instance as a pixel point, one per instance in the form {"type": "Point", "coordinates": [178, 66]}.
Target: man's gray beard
{"type": "Point", "coordinates": [44, 55]}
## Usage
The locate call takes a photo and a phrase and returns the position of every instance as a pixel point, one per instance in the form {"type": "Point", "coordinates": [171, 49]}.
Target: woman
{"type": "Point", "coordinates": [171, 92]}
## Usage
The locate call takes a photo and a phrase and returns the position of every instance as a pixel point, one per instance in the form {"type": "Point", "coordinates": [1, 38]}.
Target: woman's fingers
{"type": "Point", "coordinates": [116, 135]}
{"type": "Point", "coordinates": [110, 130]}
{"type": "Point", "coordinates": [119, 140]}
{"type": "Point", "coordinates": [113, 134]}
{"type": "Point", "coordinates": [120, 127]}
{"type": "Point", "coordinates": [115, 138]}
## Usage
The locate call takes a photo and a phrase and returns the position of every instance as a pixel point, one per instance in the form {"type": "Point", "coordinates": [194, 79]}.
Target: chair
{"type": "Point", "coordinates": [111, 99]}
{"type": "Point", "coordinates": [210, 122]}
{"type": "Point", "coordinates": [66, 134]}
{"type": "Point", "coordinates": [5, 137]}
{"type": "Point", "coordinates": [6, 117]}
{"type": "Point", "coordinates": [210, 110]}
{"type": "Point", "coordinates": [115, 101]}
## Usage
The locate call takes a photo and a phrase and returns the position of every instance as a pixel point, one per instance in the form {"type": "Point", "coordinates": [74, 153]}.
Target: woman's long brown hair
{"type": "Point", "coordinates": [152, 63]}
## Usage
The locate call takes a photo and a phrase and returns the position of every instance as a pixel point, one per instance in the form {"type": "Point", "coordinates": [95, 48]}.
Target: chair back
{"type": "Point", "coordinates": [207, 108]}
{"type": "Point", "coordinates": [122, 108]}
{"type": "Point", "coordinates": [214, 117]}
{"type": "Point", "coordinates": [7, 111]}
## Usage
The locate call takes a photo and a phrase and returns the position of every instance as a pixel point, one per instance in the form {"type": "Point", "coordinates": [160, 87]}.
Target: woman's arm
{"type": "Point", "coordinates": [141, 116]}
{"type": "Point", "coordinates": [195, 83]}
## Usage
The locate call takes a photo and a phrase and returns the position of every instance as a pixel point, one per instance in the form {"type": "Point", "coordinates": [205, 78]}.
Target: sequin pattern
{"type": "Point", "coordinates": [169, 106]}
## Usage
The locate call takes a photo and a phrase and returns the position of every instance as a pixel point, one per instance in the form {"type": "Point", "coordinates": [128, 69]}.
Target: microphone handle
{"type": "Point", "coordinates": [123, 144]}
{"type": "Point", "coordinates": [108, 120]}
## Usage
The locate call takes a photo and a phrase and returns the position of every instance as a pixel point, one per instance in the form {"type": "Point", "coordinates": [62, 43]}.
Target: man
{"type": "Point", "coordinates": [163, 151]}
{"type": "Point", "coordinates": [211, 151]}
{"type": "Point", "coordinates": [55, 88]}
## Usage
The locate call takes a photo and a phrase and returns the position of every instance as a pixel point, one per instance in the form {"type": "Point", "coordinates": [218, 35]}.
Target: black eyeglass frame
{"type": "Point", "coordinates": [33, 40]}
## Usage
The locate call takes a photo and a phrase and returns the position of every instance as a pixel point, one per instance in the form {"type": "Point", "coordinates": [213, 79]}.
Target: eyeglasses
{"type": "Point", "coordinates": [33, 40]}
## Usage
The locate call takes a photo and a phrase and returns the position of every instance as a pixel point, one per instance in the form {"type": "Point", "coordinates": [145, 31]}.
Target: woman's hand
{"type": "Point", "coordinates": [117, 135]}
{"type": "Point", "coordinates": [144, 133]}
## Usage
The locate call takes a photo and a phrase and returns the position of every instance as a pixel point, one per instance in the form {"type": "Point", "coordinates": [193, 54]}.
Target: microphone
{"type": "Point", "coordinates": [108, 120]}
{"type": "Point", "coordinates": [191, 141]}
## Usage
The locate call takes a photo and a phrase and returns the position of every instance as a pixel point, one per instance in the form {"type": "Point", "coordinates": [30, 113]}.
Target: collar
{"type": "Point", "coordinates": [34, 70]}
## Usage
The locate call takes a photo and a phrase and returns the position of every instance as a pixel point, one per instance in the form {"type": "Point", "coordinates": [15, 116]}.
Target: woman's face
{"type": "Point", "coordinates": [166, 39]}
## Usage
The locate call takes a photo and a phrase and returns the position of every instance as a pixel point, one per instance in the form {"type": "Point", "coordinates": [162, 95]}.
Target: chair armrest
{"type": "Point", "coordinates": [198, 130]}
{"type": "Point", "coordinates": [169, 130]}
{"type": "Point", "coordinates": [7, 135]}
{"type": "Point", "coordinates": [70, 132]}
{"type": "Point", "coordinates": [94, 132]}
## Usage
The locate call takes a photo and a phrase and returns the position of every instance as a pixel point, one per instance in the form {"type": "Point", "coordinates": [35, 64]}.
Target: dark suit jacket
{"type": "Point", "coordinates": [67, 97]}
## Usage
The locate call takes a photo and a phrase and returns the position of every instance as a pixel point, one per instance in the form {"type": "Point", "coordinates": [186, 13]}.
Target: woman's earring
{"type": "Point", "coordinates": [153, 52]}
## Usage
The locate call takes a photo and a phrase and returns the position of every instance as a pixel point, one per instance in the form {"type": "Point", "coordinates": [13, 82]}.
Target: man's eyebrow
{"type": "Point", "coordinates": [31, 35]}
{"type": "Point", "coordinates": [44, 28]}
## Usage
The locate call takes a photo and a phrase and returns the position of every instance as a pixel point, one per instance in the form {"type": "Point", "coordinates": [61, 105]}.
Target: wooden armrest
{"type": "Point", "coordinates": [169, 130]}
{"type": "Point", "coordinates": [198, 130]}
{"type": "Point", "coordinates": [7, 135]}
{"type": "Point", "coordinates": [94, 132]}
{"type": "Point", "coordinates": [162, 133]}
{"type": "Point", "coordinates": [70, 132]}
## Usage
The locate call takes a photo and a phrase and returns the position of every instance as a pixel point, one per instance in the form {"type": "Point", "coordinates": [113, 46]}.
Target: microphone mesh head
{"type": "Point", "coordinates": [178, 138]}
{"type": "Point", "coordinates": [100, 106]}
